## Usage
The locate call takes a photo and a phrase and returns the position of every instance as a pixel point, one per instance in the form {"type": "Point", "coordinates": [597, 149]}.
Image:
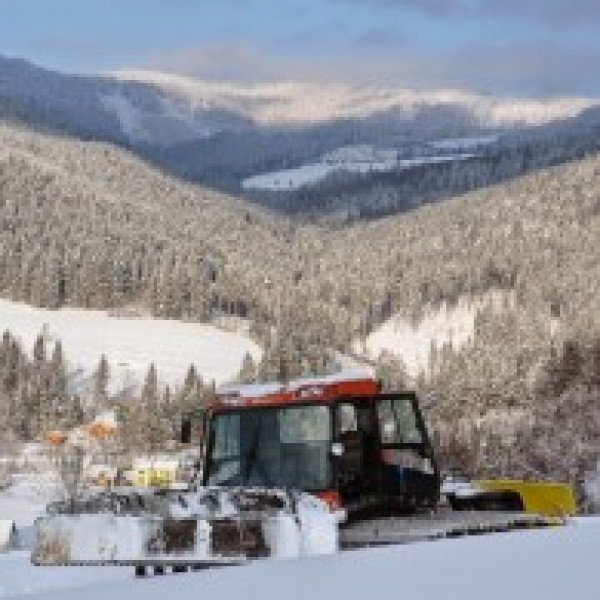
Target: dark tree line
{"type": "Point", "coordinates": [36, 398]}
{"type": "Point", "coordinates": [33, 391]}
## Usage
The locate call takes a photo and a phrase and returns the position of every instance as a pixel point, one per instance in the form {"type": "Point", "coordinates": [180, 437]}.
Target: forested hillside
{"type": "Point", "coordinates": [88, 225]}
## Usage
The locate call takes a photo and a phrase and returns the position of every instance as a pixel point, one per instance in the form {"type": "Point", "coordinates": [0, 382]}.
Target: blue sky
{"type": "Point", "coordinates": [516, 47]}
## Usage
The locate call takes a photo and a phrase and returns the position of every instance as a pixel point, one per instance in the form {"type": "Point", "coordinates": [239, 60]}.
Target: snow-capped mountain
{"type": "Point", "coordinates": [254, 139]}
{"type": "Point", "coordinates": [157, 108]}
{"type": "Point", "coordinates": [290, 102]}
{"type": "Point", "coordinates": [103, 107]}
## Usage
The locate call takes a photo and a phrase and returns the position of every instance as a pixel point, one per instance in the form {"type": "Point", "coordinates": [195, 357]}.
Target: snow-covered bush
{"type": "Point", "coordinates": [592, 490]}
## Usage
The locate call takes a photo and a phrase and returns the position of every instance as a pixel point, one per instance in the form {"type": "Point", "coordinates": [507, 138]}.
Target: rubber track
{"type": "Point", "coordinates": [406, 530]}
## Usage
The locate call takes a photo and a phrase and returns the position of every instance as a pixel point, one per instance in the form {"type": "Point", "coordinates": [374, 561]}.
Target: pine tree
{"type": "Point", "coordinates": [248, 371]}
{"type": "Point", "coordinates": [391, 372]}
{"type": "Point", "coordinates": [39, 349]}
{"type": "Point", "coordinates": [101, 380]}
{"type": "Point", "coordinates": [155, 422]}
{"type": "Point", "coordinates": [58, 384]}
{"type": "Point", "coordinates": [150, 389]}
{"type": "Point", "coordinates": [191, 377]}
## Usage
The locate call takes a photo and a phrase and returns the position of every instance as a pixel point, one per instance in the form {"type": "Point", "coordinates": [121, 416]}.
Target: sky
{"type": "Point", "coordinates": [542, 48]}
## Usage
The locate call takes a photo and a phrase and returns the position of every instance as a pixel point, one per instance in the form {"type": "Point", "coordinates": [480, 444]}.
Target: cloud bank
{"type": "Point", "coordinates": [554, 12]}
{"type": "Point", "coordinates": [529, 69]}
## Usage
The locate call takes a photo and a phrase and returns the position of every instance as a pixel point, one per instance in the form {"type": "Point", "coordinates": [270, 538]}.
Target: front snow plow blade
{"type": "Point", "coordinates": [127, 540]}
{"type": "Point", "coordinates": [212, 527]}
{"type": "Point", "coordinates": [540, 498]}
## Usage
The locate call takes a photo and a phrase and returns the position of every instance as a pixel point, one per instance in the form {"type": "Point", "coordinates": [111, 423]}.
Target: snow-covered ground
{"type": "Point", "coordinates": [18, 578]}
{"type": "Point", "coordinates": [289, 179]}
{"type": "Point", "coordinates": [558, 563]}
{"type": "Point", "coordinates": [131, 344]}
{"type": "Point", "coordinates": [464, 143]}
{"type": "Point", "coordinates": [27, 498]}
{"type": "Point", "coordinates": [129, 116]}
{"type": "Point", "coordinates": [413, 342]}
{"type": "Point", "coordinates": [352, 159]}
{"type": "Point", "coordinates": [169, 123]}
{"type": "Point", "coordinates": [524, 565]}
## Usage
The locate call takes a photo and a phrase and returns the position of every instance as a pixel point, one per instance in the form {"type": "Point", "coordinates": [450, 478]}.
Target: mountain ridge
{"type": "Point", "coordinates": [222, 135]}
{"type": "Point", "coordinates": [285, 102]}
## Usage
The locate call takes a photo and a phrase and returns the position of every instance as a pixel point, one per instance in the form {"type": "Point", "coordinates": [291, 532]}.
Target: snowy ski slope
{"type": "Point", "coordinates": [447, 324]}
{"type": "Point", "coordinates": [131, 344]}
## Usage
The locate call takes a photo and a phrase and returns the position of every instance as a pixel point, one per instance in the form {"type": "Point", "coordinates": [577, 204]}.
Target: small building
{"type": "Point", "coordinates": [155, 472]}
{"type": "Point", "coordinates": [101, 475]}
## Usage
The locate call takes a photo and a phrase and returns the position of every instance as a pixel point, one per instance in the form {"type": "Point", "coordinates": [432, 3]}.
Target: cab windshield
{"type": "Point", "coordinates": [271, 447]}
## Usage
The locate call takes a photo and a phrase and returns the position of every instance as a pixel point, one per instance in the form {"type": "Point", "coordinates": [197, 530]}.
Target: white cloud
{"type": "Point", "coordinates": [536, 68]}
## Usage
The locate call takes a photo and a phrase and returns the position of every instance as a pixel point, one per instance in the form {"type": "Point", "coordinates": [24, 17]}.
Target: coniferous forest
{"type": "Point", "coordinates": [88, 225]}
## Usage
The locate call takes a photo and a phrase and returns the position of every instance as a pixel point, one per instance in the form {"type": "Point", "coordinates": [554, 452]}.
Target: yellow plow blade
{"type": "Point", "coordinates": [547, 499]}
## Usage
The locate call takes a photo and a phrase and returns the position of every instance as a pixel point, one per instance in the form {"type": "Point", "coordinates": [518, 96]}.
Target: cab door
{"type": "Point", "coordinates": [409, 474]}
{"type": "Point", "coordinates": [355, 460]}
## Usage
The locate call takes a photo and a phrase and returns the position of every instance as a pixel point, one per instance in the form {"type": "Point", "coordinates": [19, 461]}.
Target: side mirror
{"type": "Point", "coordinates": [186, 432]}
{"type": "Point", "coordinates": [337, 449]}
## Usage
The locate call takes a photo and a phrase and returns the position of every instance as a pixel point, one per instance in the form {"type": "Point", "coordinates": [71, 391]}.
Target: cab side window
{"type": "Point", "coordinates": [398, 422]}
{"type": "Point", "coordinates": [347, 419]}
